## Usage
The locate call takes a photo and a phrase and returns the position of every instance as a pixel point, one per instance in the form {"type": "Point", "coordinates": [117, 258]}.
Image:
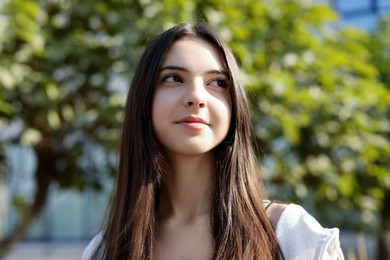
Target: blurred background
{"type": "Point", "coordinates": [318, 77]}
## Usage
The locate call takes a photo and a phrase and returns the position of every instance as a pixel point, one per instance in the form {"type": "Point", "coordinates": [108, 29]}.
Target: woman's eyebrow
{"type": "Point", "coordinates": [171, 67]}
{"type": "Point", "coordinates": [217, 72]}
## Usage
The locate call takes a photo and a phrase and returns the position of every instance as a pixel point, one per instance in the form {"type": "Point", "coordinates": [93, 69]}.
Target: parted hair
{"type": "Point", "coordinates": [239, 225]}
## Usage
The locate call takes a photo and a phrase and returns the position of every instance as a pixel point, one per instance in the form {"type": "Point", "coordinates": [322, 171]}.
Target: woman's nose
{"type": "Point", "coordinates": [196, 94]}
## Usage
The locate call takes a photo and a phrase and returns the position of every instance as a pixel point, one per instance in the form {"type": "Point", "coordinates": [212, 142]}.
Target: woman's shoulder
{"type": "Point", "coordinates": [301, 236]}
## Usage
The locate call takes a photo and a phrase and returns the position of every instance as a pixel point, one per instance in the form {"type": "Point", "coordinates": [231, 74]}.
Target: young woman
{"type": "Point", "coordinates": [188, 185]}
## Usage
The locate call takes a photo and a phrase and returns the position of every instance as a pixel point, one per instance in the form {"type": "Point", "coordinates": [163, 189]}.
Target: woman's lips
{"type": "Point", "coordinates": [193, 123]}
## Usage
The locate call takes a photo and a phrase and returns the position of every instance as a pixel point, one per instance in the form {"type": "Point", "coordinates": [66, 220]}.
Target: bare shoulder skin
{"type": "Point", "coordinates": [274, 211]}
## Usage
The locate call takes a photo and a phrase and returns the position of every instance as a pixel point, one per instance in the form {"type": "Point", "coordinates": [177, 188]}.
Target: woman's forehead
{"type": "Point", "coordinates": [190, 51]}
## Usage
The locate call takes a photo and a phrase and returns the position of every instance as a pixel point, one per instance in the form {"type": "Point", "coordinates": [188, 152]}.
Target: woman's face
{"type": "Point", "coordinates": [191, 107]}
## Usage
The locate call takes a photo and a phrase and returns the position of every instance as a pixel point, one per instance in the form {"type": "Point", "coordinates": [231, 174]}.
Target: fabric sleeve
{"type": "Point", "coordinates": [302, 237]}
{"type": "Point", "coordinates": [90, 249]}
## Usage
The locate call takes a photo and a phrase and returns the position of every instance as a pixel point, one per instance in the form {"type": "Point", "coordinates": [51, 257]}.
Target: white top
{"type": "Point", "coordinates": [299, 234]}
{"type": "Point", "coordinates": [302, 237]}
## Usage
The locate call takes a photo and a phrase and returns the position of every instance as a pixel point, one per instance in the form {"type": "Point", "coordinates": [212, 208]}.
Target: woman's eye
{"type": "Point", "coordinates": [172, 78]}
{"type": "Point", "coordinates": [222, 83]}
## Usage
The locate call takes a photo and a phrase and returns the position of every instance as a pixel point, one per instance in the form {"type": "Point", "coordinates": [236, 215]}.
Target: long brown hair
{"type": "Point", "coordinates": [240, 227]}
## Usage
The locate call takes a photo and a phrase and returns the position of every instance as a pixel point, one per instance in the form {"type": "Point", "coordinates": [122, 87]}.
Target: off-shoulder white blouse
{"type": "Point", "coordinates": [301, 237]}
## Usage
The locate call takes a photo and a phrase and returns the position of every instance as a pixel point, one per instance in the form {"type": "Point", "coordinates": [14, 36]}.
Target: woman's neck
{"type": "Point", "coordinates": [187, 187]}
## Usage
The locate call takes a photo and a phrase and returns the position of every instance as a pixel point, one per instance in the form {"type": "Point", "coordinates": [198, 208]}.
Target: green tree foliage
{"type": "Point", "coordinates": [57, 63]}
{"type": "Point", "coordinates": [380, 48]}
{"type": "Point", "coordinates": [319, 93]}
{"type": "Point", "coordinates": [320, 112]}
